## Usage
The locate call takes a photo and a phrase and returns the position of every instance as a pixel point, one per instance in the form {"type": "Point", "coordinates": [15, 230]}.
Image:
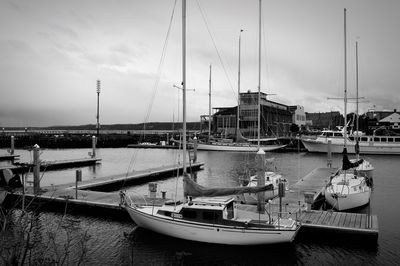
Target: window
{"type": "Point", "coordinates": [189, 214]}
{"type": "Point", "coordinates": [364, 139]}
{"type": "Point", "coordinates": [210, 216]}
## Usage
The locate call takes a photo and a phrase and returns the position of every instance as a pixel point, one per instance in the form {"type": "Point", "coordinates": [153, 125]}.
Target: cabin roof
{"type": "Point", "coordinates": [215, 203]}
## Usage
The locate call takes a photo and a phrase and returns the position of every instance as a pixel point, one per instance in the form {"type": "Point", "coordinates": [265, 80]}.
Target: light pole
{"type": "Point", "coordinates": [98, 103]}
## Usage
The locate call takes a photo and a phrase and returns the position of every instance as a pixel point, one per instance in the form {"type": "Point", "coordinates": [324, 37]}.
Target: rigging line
{"type": "Point", "coordinates": [216, 49]}
{"type": "Point", "coordinates": [155, 88]}
{"type": "Point", "coordinates": [161, 63]}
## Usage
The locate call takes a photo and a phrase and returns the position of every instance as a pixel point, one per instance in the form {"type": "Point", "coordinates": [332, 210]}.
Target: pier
{"type": "Point", "coordinates": [8, 157]}
{"type": "Point", "coordinates": [19, 168]}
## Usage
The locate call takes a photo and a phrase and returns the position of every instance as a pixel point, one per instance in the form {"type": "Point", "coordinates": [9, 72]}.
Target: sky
{"type": "Point", "coordinates": [53, 52]}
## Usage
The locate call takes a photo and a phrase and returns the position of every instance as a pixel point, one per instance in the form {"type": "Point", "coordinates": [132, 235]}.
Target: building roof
{"type": "Point", "coordinates": [393, 118]}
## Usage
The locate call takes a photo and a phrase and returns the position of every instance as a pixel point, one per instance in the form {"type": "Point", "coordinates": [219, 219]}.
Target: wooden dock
{"type": "Point", "coordinates": [8, 157]}
{"type": "Point", "coordinates": [86, 198]}
{"type": "Point", "coordinates": [318, 221]}
{"type": "Point", "coordinates": [353, 223]}
{"type": "Point", "coordinates": [18, 168]}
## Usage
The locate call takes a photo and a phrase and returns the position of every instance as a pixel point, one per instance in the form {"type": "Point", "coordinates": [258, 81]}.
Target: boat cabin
{"type": "Point", "coordinates": [204, 210]}
{"type": "Point", "coordinates": [331, 134]}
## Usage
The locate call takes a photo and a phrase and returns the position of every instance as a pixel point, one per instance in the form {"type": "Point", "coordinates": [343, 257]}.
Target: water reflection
{"type": "Point", "coordinates": [159, 249]}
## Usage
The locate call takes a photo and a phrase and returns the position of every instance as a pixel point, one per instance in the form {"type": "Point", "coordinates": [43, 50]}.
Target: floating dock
{"type": "Point", "coordinates": [149, 146]}
{"type": "Point", "coordinates": [8, 157]}
{"type": "Point", "coordinates": [86, 198]}
{"type": "Point", "coordinates": [18, 168]}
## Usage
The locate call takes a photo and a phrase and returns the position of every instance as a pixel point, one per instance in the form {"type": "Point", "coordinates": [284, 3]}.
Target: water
{"type": "Point", "coordinates": [118, 242]}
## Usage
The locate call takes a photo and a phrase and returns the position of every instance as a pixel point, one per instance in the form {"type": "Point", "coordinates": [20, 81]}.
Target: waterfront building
{"type": "Point", "coordinates": [276, 118]}
{"type": "Point", "coordinates": [328, 120]}
{"type": "Point", "coordinates": [383, 120]}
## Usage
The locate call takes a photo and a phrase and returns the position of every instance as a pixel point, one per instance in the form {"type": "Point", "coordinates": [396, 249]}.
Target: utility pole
{"type": "Point", "coordinates": [98, 102]}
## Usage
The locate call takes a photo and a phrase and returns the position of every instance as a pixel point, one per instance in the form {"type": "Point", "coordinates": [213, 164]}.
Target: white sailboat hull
{"type": "Point", "coordinates": [349, 201]}
{"type": "Point", "coordinates": [207, 233]}
{"type": "Point", "coordinates": [236, 147]}
{"type": "Point", "coordinates": [342, 195]}
{"type": "Point", "coordinates": [371, 147]}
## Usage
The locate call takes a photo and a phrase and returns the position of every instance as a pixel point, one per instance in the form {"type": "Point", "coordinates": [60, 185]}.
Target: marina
{"type": "Point", "coordinates": [98, 195]}
{"type": "Point", "coordinates": [274, 174]}
{"type": "Point", "coordinates": [339, 225]}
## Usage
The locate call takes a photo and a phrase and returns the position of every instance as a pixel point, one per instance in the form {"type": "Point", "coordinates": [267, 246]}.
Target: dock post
{"type": "Point", "coordinates": [260, 161]}
{"type": "Point", "coordinates": [281, 194]}
{"type": "Point", "coordinates": [195, 149]}
{"type": "Point", "coordinates": [78, 178]}
{"type": "Point", "coordinates": [329, 159]}
{"type": "Point", "coordinates": [36, 169]}
{"type": "Point", "coordinates": [152, 190]}
{"type": "Point", "coordinates": [12, 145]}
{"type": "Point", "coordinates": [309, 199]}
{"type": "Point", "coordinates": [94, 140]}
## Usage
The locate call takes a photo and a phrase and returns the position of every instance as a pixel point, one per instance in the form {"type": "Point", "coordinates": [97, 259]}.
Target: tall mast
{"type": "Point", "coordinates": [259, 77]}
{"type": "Point", "coordinates": [238, 107]}
{"type": "Point", "coordinates": [345, 82]}
{"type": "Point", "coordinates": [209, 106]}
{"type": "Point", "coordinates": [356, 148]}
{"type": "Point", "coordinates": [184, 82]}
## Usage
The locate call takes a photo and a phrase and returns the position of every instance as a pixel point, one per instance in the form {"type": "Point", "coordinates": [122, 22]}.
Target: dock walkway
{"type": "Point", "coordinates": [19, 168]}
{"type": "Point", "coordinates": [8, 157]}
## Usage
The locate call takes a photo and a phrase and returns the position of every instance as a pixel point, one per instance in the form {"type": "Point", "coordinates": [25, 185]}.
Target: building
{"type": "Point", "coordinates": [383, 120]}
{"type": "Point", "coordinates": [299, 115]}
{"type": "Point", "coordinates": [319, 121]}
{"type": "Point", "coordinates": [276, 118]}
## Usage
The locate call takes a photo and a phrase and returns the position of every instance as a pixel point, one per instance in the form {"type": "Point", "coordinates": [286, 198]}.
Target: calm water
{"type": "Point", "coordinates": [115, 242]}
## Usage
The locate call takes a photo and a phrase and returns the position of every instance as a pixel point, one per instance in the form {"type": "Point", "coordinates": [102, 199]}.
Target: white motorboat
{"type": "Point", "coordinates": [389, 145]}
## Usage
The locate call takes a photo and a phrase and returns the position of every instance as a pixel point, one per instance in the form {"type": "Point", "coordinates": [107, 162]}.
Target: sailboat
{"type": "Point", "coordinates": [212, 217]}
{"type": "Point", "coordinates": [365, 168]}
{"type": "Point", "coordinates": [270, 178]}
{"type": "Point", "coordinates": [347, 190]}
{"type": "Point", "coordinates": [240, 144]}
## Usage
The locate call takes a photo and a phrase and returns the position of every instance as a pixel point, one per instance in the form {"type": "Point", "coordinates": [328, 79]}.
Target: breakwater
{"type": "Point", "coordinates": [80, 141]}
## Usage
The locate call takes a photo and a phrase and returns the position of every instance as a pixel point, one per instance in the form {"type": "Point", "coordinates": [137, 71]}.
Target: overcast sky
{"type": "Point", "coordinates": [52, 52]}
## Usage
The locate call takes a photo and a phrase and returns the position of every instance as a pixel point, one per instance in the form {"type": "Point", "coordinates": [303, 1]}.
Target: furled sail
{"type": "Point", "coordinates": [193, 189]}
{"type": "Point", "coordinates": [346, 162]}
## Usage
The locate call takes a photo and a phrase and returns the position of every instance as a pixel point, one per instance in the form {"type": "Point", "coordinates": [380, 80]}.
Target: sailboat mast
{"type": "Point", "coordinates": [345, 82]}
{"type": "Point", "coordinates": [184, 82]}
{"type": "Point", "coordinates": [259, 78]}
{"type": "Point", "coordinates": [358, 155]}
{"type": "Point", "coordinates": [238, 107]}
{"type": "Point", "coordinates": [209, 106]}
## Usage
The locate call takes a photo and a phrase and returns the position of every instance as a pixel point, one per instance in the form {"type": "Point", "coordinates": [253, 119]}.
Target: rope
{"type": "Point", "coordinates": [216, 49]}
{"type": "Point", "coordinates": [155, 88]}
